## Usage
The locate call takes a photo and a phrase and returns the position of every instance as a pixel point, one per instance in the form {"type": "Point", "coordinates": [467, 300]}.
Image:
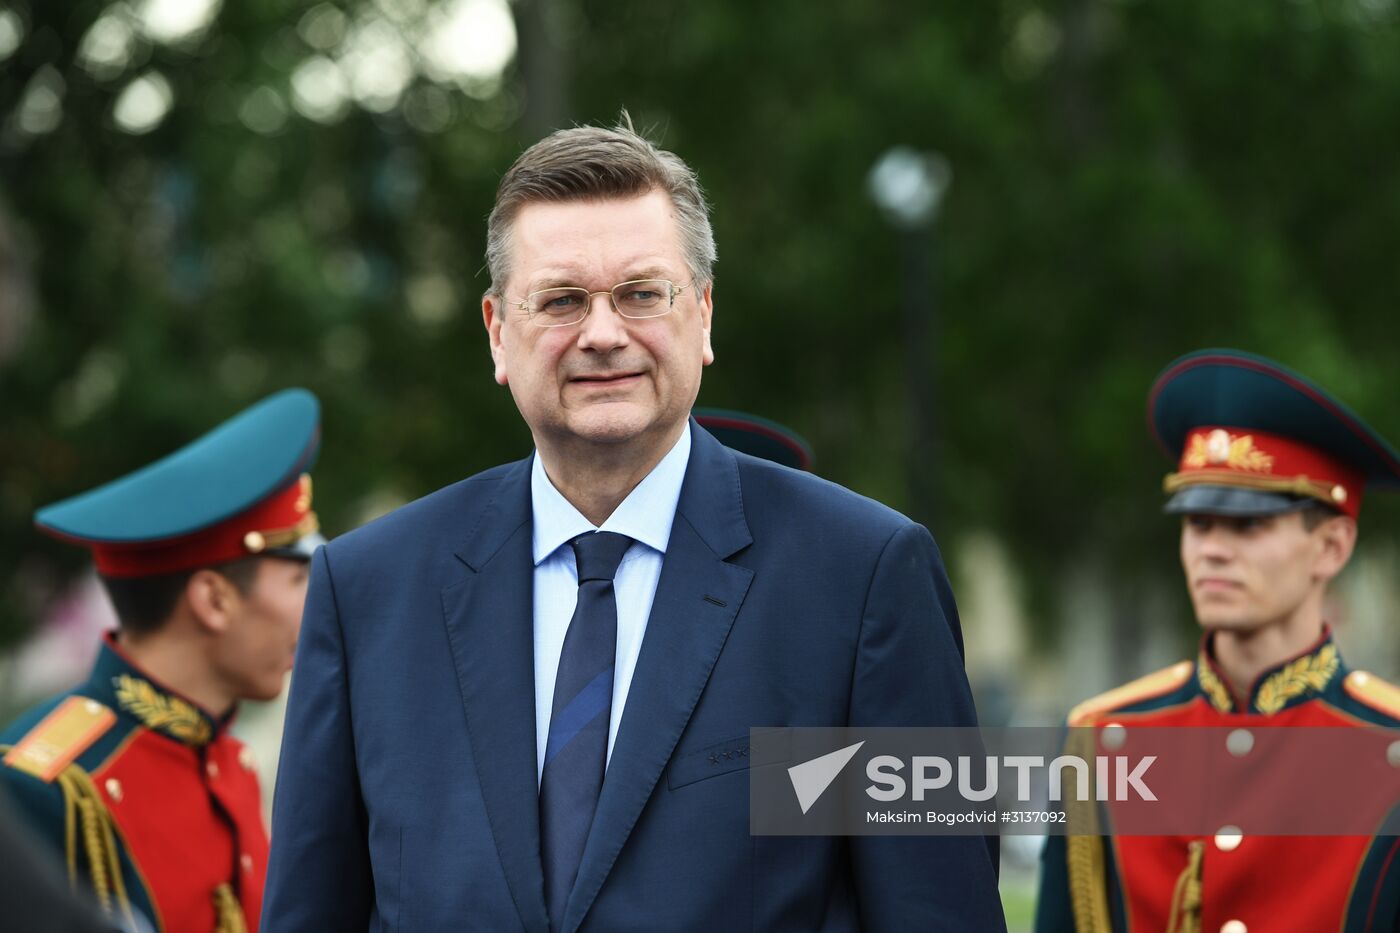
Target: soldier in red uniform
{"type": "Point", "coordinates": [1269, 482]}
{"type": "Point", "coordinates": [133, 777]}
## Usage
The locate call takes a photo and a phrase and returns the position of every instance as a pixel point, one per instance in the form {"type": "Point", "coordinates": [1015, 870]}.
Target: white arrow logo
{"type": "Point", "coordinates": [811, 778]}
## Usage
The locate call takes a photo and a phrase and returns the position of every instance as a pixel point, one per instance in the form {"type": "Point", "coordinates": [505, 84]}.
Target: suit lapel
{"type": "Point", "coordinates": [697, 598]}
{"type": "Point", "coordinates": [489, 617]}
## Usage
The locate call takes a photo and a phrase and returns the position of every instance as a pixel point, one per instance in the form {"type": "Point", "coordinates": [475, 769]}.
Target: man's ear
{"type": "Point", "coordinates": [707, 313]}
{"type": "Point", "coordinates": [212, 599]}
{"type": "Point", "coordinates": [493, 315]}
{"type": "Point", "coordinates": [1336, 538]}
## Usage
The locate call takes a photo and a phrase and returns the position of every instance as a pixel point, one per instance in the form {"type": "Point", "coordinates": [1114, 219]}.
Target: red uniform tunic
{"type": "Point", "coordinates": [1233, 881]}
{"type": "Point", "coordinates": [165, 804]}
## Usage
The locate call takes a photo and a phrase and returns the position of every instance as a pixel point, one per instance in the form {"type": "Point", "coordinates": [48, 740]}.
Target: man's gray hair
{"type": "Point", "coordinates": [589, 162]}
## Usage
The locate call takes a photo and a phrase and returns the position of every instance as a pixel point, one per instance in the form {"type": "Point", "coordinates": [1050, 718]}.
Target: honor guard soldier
{"type": "Point", "coordinates": [133, 777]}
{"type": "Point", "coordinates": [1269, 481]}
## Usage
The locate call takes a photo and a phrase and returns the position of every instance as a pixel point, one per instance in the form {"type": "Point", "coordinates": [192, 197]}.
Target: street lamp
{"type": "Point", "coordinates": [908, 186]}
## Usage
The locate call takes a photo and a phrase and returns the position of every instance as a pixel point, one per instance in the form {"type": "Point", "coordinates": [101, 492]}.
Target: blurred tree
{"type": "Point", "coordinates": [1133, 180]}
{"type": "Point", "coordinates": [291, 192]}
{"type": "Point", "coordinates": [282, 193]}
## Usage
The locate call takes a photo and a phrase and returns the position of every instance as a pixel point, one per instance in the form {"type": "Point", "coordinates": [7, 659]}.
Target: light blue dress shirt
{"type": "Point", "coordinates": [645, 516]}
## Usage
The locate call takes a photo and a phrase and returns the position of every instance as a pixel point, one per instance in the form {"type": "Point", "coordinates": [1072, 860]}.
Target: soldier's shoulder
{"type": "Point", "coordinates": [50, 740]}
{"type": "Point", "coordinates": [1372, 697]}
{"type": "Point", "coordinates": [47, 739]}
{"type": "Point", "coordinates": [1151, 687]}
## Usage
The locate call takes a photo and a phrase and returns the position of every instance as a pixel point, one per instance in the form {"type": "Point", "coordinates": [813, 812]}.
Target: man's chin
{"type": "Point", "coordinates": [1220, 622]}
{"type": "Point", "coordinates": [264, 690]}
{"type": "Point", "coordinates": [612, 422]}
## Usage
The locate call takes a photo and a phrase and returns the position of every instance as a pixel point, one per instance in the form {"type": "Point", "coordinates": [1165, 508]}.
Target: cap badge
{"type": "Point", "coordinates": [1220, 449]}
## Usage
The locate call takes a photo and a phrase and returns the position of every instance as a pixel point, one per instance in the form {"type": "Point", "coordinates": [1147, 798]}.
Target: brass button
{"type": "Point", "coordinates": [1234, 926]}
{"type": "Point", "coordinates": [93, 707]}
{"type": "Point", "coordinates": [212, 769]}
{"type": "Point", "coordinates": [114, 789]}
{"type": "Point", "coordinates": [1339, 494]}
{"type": "Point", "coordinates": [1239, 742]}
{"type": "Point", "coordinates": [1114, 735]}
{"type": "Point", "coordinates": [247, 759]}
{"type": "Point", "coordinates": [246, 861]}
{"type": "Point", "coordinates": [254, 542]}
{"type": "Point", "coordinates": [1228, 839]}
{"type": "Point", "coordinates": [1392, 754]}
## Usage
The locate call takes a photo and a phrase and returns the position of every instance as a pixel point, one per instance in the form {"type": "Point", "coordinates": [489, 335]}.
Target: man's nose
{"type": "Point", "coordinates": [1214, 544]}
{"type": "Point", "coordinates": [603, 328]}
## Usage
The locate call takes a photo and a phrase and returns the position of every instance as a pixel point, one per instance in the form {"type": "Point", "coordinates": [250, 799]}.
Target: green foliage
{"type": "Point", "coordinates": [1132, 180]}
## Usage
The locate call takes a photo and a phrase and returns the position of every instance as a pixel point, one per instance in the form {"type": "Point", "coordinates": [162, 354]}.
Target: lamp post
{"type": "Point", "coordinates": [908, 186]}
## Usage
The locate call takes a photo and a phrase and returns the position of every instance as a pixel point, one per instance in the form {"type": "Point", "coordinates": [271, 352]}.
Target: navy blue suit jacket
{"type": "Point", "coordinates": [406, 795]}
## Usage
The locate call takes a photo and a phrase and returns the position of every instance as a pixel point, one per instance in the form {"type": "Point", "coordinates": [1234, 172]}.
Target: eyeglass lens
{"type": "Point", "coordinates": [641, 299]}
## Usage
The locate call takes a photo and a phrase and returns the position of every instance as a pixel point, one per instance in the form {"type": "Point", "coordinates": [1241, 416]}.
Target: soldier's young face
{"type": "Point", "coordinates": [1245, 572]}
{"type": "Point", "coordinates": [255, 653]}
{"type": "Point", "coordinates": [607, 380]}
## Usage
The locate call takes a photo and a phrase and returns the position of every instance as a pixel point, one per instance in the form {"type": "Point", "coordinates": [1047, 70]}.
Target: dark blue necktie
{"type": "Point", "coordinates": [577, 751]}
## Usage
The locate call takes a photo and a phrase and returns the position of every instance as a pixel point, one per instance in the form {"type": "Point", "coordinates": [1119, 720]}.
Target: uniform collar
{"type": "Point", "coordinates": [1295, 680]}
{"type": "Point", "coordinates": [118, 682]}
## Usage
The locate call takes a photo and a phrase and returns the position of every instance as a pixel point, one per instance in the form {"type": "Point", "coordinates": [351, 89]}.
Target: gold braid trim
{"type": "Point", "coordinates": [92, 844]}
{"type": "Point", "coordinates": [1212, 687]}
{"type": "Point", "coordinates": [309, 524]}
{"type": "Point", "coordinates": [161, 712]}
{"type": "Point", "coordinates": [1084, 848]}
{"type": "Point", "coordinates": [86, 813]}
{"type": "Point", "coordinates": [1297, 485]}
{"type": "Point", "coordinates": [70, 836]}
{"type": "Point", "coordinates": [1310, 672]}
{"type": "Point", "coordinates": [1186, 898]}
{"type": "Point", "coordinates": [228, 911]}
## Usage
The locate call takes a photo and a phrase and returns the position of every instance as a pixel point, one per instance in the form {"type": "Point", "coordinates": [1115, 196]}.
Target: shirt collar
{"type": "Point", "coordinates": [645, 515]}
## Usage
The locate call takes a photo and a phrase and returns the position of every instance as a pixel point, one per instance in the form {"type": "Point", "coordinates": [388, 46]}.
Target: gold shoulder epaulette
{"type": "Point", "coordinates": [60, 737]}
{"type": "Point", "coordinates": [1376, 693]}
{"type": "Point", "coordinates": [1154, 684]}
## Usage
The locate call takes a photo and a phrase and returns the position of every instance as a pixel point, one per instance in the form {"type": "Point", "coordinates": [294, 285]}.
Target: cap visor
{"type": "Point", "coordinates": [1231, 500]}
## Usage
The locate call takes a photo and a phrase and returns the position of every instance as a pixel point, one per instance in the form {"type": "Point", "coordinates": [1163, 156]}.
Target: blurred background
{"type": "Point", "coordinates": [956, 245]}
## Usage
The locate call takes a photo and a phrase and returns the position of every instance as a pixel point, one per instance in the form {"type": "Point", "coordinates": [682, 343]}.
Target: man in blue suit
{"type": "Point", "coordinates": [523, 702]}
